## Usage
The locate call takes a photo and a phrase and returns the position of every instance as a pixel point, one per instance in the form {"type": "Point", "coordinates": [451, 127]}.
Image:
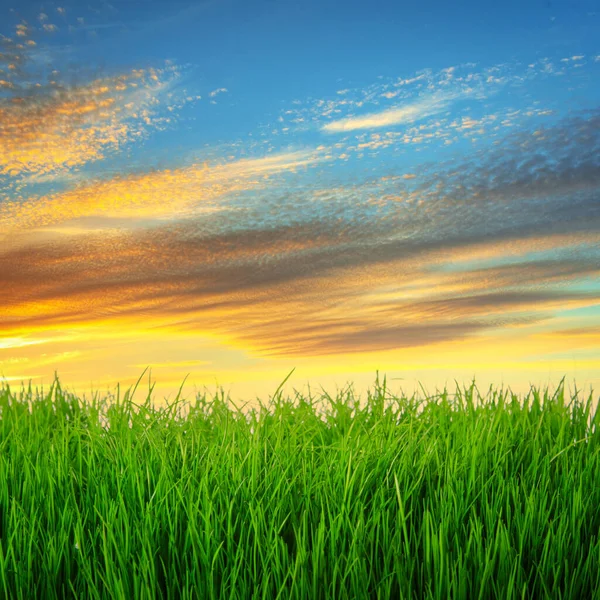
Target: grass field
{"type": "Point", "coordinates": [455, 496]}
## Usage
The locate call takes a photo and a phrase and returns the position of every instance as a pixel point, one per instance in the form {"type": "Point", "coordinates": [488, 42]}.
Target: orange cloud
{"type": "Point", "coordinates": [62, 127]}
{"type": "Point", "coordinates": [170, 193]}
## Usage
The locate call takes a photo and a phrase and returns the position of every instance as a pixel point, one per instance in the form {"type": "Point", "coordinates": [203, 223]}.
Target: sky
{"type": "Point", "coordinates": [224, 191]}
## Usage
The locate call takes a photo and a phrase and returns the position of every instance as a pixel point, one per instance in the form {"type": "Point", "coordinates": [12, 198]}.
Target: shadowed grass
{"type": "Point", "coordinates": [448, 497]}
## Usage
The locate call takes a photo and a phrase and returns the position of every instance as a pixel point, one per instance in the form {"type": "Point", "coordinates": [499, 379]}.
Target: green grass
{"type": "Point", "coordinates": [455, 496]}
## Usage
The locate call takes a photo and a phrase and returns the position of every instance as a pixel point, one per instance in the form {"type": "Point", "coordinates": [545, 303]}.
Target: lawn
{"type": "Point", "coordinates": [452, 496]}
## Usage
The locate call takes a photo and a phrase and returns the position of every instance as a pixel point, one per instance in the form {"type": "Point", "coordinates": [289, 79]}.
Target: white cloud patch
{"type": "Point", "coordinates": [218, 91]}
{"type": "Point", "coordinates": [391, 116]}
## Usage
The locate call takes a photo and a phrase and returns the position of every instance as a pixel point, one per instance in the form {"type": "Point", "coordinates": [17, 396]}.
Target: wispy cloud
{"type": "Point", "coordinates": [17, 342]}
{"type": "Point", "coordinates": [161, 194]}
{"type": "Point", "coordinates": [60, 129]}
{"type": "Point", "coordinates": [389, 117]}
{"type": "Point", "coordinates": [56, 117]}
{"type": "Point", "coordinates": [416, 102]}
{"type": "Point", "coordinates": [218, 91]}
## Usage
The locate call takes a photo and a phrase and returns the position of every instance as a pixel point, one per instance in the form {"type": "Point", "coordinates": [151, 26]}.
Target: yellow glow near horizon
{"type": "Point", "coordinates": [102, 361]}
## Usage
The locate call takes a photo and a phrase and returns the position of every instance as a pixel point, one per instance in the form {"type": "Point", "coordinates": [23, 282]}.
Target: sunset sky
{"type": "Point", "coordinates": [231, 189]}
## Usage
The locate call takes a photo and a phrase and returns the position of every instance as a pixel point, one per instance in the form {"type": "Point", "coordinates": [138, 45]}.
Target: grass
{"type": "Point", "coordinates": [446, 497]}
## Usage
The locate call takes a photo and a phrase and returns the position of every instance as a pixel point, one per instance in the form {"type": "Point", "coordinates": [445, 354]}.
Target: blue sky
{"type": "Point", "coordinates": [249, 186]}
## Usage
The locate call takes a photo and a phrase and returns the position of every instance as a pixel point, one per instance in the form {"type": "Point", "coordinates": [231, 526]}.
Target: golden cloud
{"type": "Point", "coordinates": [56, 130]}
{"type": "Point", "coordinates": [169, 193]}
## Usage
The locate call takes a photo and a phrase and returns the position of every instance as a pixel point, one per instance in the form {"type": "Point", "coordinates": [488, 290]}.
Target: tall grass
{"type": "Point", "coordinates": [445, 497]}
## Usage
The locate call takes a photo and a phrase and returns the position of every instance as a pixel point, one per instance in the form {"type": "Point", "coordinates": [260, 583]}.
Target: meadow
{"type": "Point", "coordinates": [451, 496]}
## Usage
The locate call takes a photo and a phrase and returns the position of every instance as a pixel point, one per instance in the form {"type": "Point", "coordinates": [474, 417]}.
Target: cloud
{"type": "Point", "coordinates": [56, 116]}
{"type": "Point", "coordinates": [56, 130]}
{"type": "Point", "coordinates": [217, 92]}
{"type": "Point", "coordinates": [17, 342]}
{"type": "Point", "coordinates": [161, 194]}
{"type": "Point", "coordinates": [390, 102]}
{"type": "Point", "coordinates": [389, 117]}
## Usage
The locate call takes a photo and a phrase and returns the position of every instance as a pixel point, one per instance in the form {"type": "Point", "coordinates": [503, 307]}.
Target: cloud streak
{"type": "Point", "coordinates": [161, 194]}
{"type": "Point", "coordinates": [409, 113]}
